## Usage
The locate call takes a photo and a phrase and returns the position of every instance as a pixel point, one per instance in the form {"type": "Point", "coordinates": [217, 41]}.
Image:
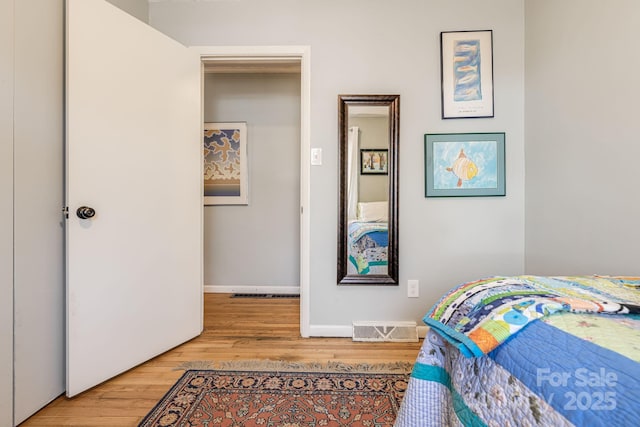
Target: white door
{"type": "Point", "coordinates": [133, 155]}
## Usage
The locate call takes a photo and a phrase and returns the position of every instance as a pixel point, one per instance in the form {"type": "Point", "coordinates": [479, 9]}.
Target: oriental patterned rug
{"type": "Point", "coordinates": [342, 395]}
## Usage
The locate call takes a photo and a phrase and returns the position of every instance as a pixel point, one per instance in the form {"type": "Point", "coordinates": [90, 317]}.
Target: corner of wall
{"type": "Point", "coordinates": [6, 212]}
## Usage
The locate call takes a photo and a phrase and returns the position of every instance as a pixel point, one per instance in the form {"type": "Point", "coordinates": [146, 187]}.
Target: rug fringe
{"type": "Point", "coordinates": [194, 364]}
{"type": "Point", "coordinates": [287, 366]}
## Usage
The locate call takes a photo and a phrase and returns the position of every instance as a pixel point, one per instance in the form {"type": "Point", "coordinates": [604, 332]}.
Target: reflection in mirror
{"type": "Point", "coordinates": [368, 205]}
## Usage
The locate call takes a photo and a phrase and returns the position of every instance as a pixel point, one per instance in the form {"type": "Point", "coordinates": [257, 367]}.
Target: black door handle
{"type": "Point", "coordinates": [85, 212]}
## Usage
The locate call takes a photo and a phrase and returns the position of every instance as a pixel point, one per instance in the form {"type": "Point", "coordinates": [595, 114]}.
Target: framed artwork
{"type": "Point", "coordinates": [466, 69]}
{"type": "Point", "coordinates": [464, 164]}
{"type": "Point", "coordinates": [374, 161]}
{"type": "Point", "coordinates": [225, 164]}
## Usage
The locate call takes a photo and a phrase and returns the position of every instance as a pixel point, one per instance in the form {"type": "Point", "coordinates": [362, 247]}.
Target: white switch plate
{"type": "Point", "coordinates": [316, 156]}
{"type": "Point", "coordinates": [413, 288]}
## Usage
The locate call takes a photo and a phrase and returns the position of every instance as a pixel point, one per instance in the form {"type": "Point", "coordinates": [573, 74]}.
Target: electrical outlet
{"type": "Point", "coordinates": [413, 288]}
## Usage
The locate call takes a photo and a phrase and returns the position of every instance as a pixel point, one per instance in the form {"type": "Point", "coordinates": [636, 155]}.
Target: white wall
{"type": "Point", "coordinates": [6, 212]}
{"type": "Point", "coordinates": [583, 137]}
{"type": "Point", "coordinates": [377, 46]}
{"type": "Point", "coordinates": [137, 8]}
{"type": "Point", "coordinates": [38, 199]}
{"type": "Point", "coordinates": [32, 287]}
{"type": "Point", "coordinates": [257, 245]}
{"type": "Point", "coordinates": [374, 133]}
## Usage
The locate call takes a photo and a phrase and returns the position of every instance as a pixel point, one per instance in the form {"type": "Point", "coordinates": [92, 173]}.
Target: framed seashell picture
{"type": "Point", "coordinates": [464, 164]}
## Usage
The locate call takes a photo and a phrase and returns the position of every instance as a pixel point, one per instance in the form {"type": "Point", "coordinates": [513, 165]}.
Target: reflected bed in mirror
{"type": "Point", "coordinates": [369, 127]}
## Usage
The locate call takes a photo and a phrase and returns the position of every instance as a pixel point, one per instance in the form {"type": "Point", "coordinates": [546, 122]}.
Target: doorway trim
{"type": "Point", "coordinates": [275, 54]}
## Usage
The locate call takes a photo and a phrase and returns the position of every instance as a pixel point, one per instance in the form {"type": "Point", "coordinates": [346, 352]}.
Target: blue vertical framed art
{"type": "Point", "coordinates": [466, 61]}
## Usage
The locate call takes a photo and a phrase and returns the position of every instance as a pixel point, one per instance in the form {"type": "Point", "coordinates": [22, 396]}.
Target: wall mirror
{"type": "Point", "coordinates": [369, 130]}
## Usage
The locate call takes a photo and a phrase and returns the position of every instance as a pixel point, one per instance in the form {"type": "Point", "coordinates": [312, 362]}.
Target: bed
{"type": "Point", "coordinates": [529, 351]}
{"type": "Point", "coordinates": [368, 239]}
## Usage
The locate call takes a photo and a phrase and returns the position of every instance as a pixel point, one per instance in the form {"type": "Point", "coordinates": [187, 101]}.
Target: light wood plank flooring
{"type": "Point", "coordinates": [234, 329]}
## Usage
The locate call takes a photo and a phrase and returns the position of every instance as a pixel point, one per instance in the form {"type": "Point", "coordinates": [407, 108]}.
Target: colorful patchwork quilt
{"type": "Point", "coordinates": [368, 244]}
{"type": "Point", "coordinates": [572, 365]}
{"type": "Point", "coordinates": [478, 316]}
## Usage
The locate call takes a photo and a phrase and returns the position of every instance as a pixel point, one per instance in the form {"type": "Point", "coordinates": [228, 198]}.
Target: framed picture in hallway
{"type": "Point", "coordinates": [225, 164]}
{"type": "Point", "coordinates": [466, 61]}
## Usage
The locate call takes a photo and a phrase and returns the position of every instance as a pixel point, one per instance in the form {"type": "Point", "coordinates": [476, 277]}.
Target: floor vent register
{"type": "Point", "coordinates": [385, 331]}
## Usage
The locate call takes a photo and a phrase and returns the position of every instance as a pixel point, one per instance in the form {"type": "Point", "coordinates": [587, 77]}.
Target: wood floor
{"type": "Point", "coordinates": [234, 329]}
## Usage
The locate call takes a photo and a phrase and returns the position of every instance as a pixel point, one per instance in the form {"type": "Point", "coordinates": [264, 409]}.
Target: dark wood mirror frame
{"type": "Point", "coordinates": [344, 102]}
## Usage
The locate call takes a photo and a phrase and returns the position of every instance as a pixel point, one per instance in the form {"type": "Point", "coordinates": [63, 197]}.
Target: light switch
{"type": "Point", "coordinates": [316, 156]}
{"type": "Point", "coordinates": [413, 288]}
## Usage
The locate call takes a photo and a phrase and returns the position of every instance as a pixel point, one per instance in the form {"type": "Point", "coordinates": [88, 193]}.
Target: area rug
{"type": "Point", "coordinates": [346, 396]}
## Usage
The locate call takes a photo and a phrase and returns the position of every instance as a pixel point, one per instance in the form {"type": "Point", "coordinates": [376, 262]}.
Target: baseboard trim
{"type": "Point", "coordinates": [422, 331]}
{"type": "Point", "coordinates": [338, 331]}
{"type": "Point", "coordinates": [332, 331]}
{"type": "Point", "coordinates": [214, 289]}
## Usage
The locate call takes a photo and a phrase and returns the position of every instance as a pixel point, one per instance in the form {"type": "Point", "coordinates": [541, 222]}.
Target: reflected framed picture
{"type": "Point", "coordinates": [466, 69]}
{"type": "Point", "coordinates": [374, 161]}
{"type": "Point", "coordinates": [225, 164]}
{"type": "Point", "coordinates": [464, 164]}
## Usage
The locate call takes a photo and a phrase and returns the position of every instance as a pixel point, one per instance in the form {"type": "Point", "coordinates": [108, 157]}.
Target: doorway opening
{"type": "Point", "coordinates": [268, 88]}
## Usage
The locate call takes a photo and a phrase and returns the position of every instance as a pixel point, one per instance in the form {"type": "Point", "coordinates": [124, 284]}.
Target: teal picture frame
{"type": "Point", "coordinates": [464, 164]}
